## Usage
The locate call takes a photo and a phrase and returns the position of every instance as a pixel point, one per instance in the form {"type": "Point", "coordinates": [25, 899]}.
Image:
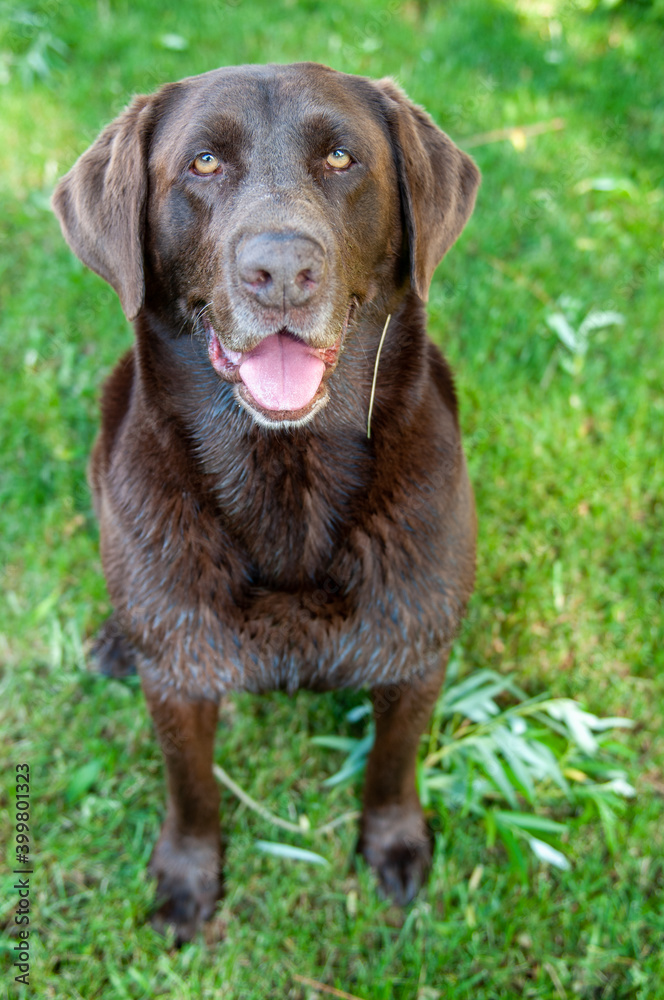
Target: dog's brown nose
{"type": "Point", "coordinates": [281, 269]}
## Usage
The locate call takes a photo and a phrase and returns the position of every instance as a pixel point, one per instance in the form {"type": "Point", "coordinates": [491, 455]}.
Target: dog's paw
{"type": "Point", "coordinates": [397, 846]}
{"type": "Point", "coordinates": [189, 884]}
{"type": "Point", "coordinates": [112, 654]}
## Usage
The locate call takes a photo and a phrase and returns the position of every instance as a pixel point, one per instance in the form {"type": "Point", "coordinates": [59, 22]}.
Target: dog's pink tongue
{"type": "Point", "coordinates": [282, 373]}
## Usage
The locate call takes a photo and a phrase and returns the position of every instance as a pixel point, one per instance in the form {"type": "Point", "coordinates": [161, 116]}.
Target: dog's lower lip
{"type": "Point", "coordinates": [268, 416]}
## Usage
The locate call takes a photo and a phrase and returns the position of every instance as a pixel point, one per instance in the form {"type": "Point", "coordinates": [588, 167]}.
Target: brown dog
{"type": "Point", "coordinates": [260, 529]}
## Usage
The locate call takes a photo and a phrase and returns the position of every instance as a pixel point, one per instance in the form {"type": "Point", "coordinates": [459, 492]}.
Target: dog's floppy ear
{"type": "Point", "coordinates": [438, 184]}
{"type": "Point", "coordinates": [100, 204]}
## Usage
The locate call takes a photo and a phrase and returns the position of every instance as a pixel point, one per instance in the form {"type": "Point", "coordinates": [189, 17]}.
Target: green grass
{"type": "Point", "coordinates": [567, 461]}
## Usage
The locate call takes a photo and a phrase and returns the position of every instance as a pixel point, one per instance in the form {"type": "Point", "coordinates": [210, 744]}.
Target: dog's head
{"type": "Point", "coordinates": [260, 207]}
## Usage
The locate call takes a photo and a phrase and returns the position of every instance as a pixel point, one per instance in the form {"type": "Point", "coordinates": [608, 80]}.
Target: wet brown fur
{"type": "Point", "coordinates": [244, 558]}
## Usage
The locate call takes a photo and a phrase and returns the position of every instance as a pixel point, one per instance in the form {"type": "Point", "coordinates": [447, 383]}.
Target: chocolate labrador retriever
{"type": "Point", "coordinates": [279, 479]}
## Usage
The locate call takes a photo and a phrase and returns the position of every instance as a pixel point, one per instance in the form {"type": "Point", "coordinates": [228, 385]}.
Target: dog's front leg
{"type": "Point", "coordinates": [187, 857]}
{"type": "Point", "coordinates": [394, 837]}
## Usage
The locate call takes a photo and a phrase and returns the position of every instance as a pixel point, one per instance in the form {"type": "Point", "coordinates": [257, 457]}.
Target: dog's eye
{"type": "Point", "coordinates": [339, 159]}
{"type": "Point", "coordinates": [205, 163]}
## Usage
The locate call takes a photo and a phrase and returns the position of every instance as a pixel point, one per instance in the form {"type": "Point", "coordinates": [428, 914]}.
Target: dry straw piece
{"type": "Point", "coordinates": [375, 374]}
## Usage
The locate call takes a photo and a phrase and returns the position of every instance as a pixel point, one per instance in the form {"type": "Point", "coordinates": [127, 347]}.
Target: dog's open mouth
{"type": "Point", "coordinates": [282, 378]}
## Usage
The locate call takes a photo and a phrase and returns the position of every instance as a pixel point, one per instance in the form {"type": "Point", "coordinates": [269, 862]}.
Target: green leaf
{"type": "Point", "coordinates": [514, 851]}
{"type": "Point", "coordinates": [473, 697]}
{"type": "Point", "coordinates": [82, 780]}
{"type": "Point", "coordinates": [599, 320]}
{"type": "Point", "coordinates": [347, 743]}
{"type": "Point", "coordinates": [290, 852]}
{"type": "Point", "coordinates": [484, 749]}
{"type": "Point", "coordinates": [529, 821]}
{"type": "Point", "coordinates": [359, 712]}
{"type": "Point", "coordinates": [577, 721]}
{"type": "Point", "coordinates": [423, 789]}
{"type": "Point", "coordinates": [176, 43]}
{"type": "Point", "coordinates": [541, 760]}
{"type": "Point", "coordinates": [514, 749]}
{"type": "Point", "coordinates": [348, 769]}
{"type": "Point", "coordinates": [549, 855]}
{"type": "Point", "coordinates": [608, 820]}
{"type": "Point", "coordinates": [456, 692]}
{"type": "Point", "coordinates": [560, 325]}
{"type": "Point", "coordinates": [491, 828]}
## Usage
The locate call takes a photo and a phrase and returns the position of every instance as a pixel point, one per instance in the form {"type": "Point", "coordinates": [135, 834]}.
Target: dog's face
{"type": "Point", "coordinates": [262, 207]}
{"type": "Point", "coordinates": [272, 178]}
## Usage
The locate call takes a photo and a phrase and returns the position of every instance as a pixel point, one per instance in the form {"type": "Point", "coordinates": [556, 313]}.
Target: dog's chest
{"type": "Point", "coordinates": [286, 570]}
{"type": "Point", "coordinates": [288, 510]}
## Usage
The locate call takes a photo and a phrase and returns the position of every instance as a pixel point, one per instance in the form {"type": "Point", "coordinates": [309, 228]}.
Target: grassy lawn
{"type": "Point", "coordinates": [565, 438]}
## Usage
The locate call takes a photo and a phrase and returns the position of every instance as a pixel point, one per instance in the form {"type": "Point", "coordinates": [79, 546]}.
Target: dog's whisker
{"type": "Point", "coordinates": [195, 321]}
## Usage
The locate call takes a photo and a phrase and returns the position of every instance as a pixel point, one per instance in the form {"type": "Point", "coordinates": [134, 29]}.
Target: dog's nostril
{"type": "Point", "coordinates": [280, 269]}
{"type": "Point", "coordinates": [306, 279]}
{"type": "Point", "coordinates": [256, 278]}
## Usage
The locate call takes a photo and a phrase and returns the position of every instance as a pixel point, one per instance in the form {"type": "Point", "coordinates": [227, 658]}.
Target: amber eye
{"type": "Point", "coordinates": [205, 163]}
{"type": "Point", "coordinates": [339, 159]}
